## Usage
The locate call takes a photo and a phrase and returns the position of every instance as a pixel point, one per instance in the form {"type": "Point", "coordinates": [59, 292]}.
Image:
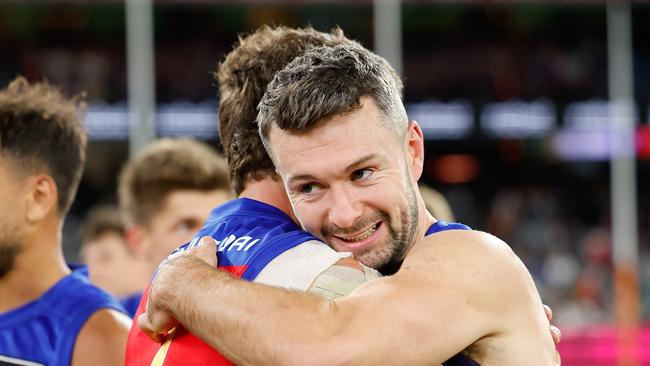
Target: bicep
{"type": "Point", "coordinates": [102, 339]}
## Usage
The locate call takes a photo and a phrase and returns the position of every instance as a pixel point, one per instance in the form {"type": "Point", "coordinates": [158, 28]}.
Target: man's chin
{"type": "Point", "coordinates": [371, 258]}
{"type": "Point", "coordinates": [383, 259]}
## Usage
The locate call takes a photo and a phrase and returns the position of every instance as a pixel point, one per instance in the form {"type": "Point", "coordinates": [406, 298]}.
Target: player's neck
{"type": "Point", "coordinates": [425, 220]}
{"type": "Point", "coordinates": [37, 267]}
{"type": "Point", "coordinates": [269, 191]}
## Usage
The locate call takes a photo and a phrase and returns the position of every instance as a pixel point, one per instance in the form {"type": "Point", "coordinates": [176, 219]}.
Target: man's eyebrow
{"type": "Point", "coordinates": [353, 166]}
{"type": "Point", "coordinates": [303, 177]}
{"type": "Point", "coordinates": [360, 161]}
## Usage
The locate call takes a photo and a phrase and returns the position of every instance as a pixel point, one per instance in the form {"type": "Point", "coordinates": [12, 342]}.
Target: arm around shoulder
{"type": "Point", "coordinates": [447, 295]}
{"type": "Point", "coordinates": [102, 339]}
{"type": "Point", "coordinates": [454, 289]}
{"type": "Point", "coordinates": [499, 289]}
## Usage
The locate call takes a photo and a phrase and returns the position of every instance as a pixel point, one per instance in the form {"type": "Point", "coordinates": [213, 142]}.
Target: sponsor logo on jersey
{"type": "Point", "coordinates": [229, 243]}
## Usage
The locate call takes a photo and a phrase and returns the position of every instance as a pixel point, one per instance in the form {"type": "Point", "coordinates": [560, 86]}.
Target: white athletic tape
{"type": "Point", "coordinates": [298, 267]}
{"type": "Point", "coordinates": [337, 281]}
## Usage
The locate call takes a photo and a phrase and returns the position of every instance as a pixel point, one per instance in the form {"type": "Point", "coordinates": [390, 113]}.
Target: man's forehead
{"type": "Point", "coordinates": [339, 141]}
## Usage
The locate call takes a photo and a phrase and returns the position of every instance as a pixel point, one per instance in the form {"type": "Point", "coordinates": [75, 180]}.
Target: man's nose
{"type": "Point", "coordinates": [344, 209]}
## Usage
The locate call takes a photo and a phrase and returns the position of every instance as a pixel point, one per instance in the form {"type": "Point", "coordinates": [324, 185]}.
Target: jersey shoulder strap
{"type": "Point", "coordinates": [45, 330]}
{"type": "Point", "coordinates": [439, 226]}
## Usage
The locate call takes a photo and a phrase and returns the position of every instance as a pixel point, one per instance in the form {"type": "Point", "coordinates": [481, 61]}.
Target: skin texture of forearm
{"type": "Point", "coordinates": [234, 324]}
{"type": "Point", "coordinates": [302, 329]}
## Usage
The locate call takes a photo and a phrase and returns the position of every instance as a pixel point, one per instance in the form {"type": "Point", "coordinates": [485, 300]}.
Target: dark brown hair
{"type": "Point", "coordinates": [327, 81]}
{"type": "Point", "coordinates": [40, 130]}
{"type": "Point", "coordinates": [243, 77]}
{"type": "Point", "coordinates": [165, 166]}
{"type": "Point", "coordinates": [101, 220]}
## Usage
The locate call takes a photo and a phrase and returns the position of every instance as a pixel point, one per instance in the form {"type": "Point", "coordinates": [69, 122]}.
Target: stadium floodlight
{"type": "Point", "coordinates": [518, 119]}
{"type": "Point", "coordinates": [439, 121]}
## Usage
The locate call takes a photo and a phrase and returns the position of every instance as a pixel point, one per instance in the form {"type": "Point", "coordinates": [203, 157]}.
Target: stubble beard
{"type": "Point", "coordinates": [387, 257]}
{"type": "Point", "coordinates": [10, 245]}
{"type": "Point", "coordinates": [9, 251]}
{"type": "Point", "coordinates": [400, 240]}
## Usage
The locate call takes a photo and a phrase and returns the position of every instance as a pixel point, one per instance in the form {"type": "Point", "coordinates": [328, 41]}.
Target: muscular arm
{"type": "Point", "coordinates": [102, 340]}
{"type": "Point", "coordinates": [435, 306]}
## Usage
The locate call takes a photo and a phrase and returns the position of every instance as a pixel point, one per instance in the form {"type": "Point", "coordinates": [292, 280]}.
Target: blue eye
{"type": "Point", "coordinates": [308, 188]}
{"type": "Point", "coordinates": [361, 174]}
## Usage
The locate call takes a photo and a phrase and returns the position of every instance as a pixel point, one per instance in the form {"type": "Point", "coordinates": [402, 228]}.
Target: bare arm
{"type": "Point", "coordinates": [102, 340]}
{"type": "Point", "coordinates": [431, 309]}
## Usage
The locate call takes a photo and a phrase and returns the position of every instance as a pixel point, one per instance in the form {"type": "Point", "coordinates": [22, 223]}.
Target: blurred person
{"type": "Point", "coordinates": [48, 314]}
{"type": "Point", "coordinates": [259, 238]}
{"type": "Point", "coordinates": [590, 300]}
{"type": "Point", "coordinates": [111, 263]}
{"type": "Point", "coordinates": [344, 103]}
{"type": "Point", "coordinates": [506, 213]}
{"type": "Point", "coordinates": [165, 194]}
{"type": "Point", "coordinates": [436, 203]}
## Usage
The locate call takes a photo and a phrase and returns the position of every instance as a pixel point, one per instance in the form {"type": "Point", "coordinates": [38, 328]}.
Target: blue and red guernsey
{"type": "Point", "coordinates": [44, 331]}
{"type": "Point", "coordinates": [249, 234]}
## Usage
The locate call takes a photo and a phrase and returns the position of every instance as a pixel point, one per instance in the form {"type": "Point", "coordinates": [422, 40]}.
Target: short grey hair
{"type": "Point", "coordinates": [328, 81]}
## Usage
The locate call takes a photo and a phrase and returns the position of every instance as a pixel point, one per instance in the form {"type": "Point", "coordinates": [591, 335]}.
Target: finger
{"type": "Point", "coordinates": [206, 250]}
{"type": "Point", "coordinates": [549, 312]}
{"type": "Point", "coordinates": [208, 242]}
{"type": "Point", "coordinates": [558, 359]}
{"type": "Point", "coordinates": [146, 327]}
{"type": "Point", "coordinates": [556, 333]}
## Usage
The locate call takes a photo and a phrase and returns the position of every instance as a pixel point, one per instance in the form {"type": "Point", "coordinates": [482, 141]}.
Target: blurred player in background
{"type": "Point", "coordinates": [111, 263]}
{"type": "Point", "coordinates": [165, 194]}
{"type": "Point", "coordinates": [259, 238]}
{"type": "Point", "coordinates": [436, 203]}
{"type": "Point", "coordinates": [48, 314]}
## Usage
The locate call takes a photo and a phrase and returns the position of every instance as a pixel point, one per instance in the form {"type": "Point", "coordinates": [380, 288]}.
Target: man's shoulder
{"type": "Point", "coordinates": [102, 339]}
{"type": "Point", "coordinates": [474, 274]}
{"type": "Point", "coordinates": [77, 295]}
{"type": "Point", "coordinates": [249, 225]}
{"type": "Point", "coordinates": [104, 322]}
{"type": "Point", "coordinates": [475, 261]}
{"type": "Point", "coordinates": [62, 312]}
{"type": "Point", "coordinates": [483, 276]}
{"type": "Point", "coordinates": [468, 244]}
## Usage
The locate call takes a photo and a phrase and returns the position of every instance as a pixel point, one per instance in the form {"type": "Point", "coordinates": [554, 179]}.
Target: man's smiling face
{"type": "Point", "coordinates": [351, 181]}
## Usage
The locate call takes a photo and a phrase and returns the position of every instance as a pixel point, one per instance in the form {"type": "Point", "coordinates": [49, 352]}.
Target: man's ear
{"type": "Point", "coordinates": [134, 237]}
{"type": "Point", "coordinates": [42, 197]}
{"type": "Point", "coordinates": [415, 150]}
